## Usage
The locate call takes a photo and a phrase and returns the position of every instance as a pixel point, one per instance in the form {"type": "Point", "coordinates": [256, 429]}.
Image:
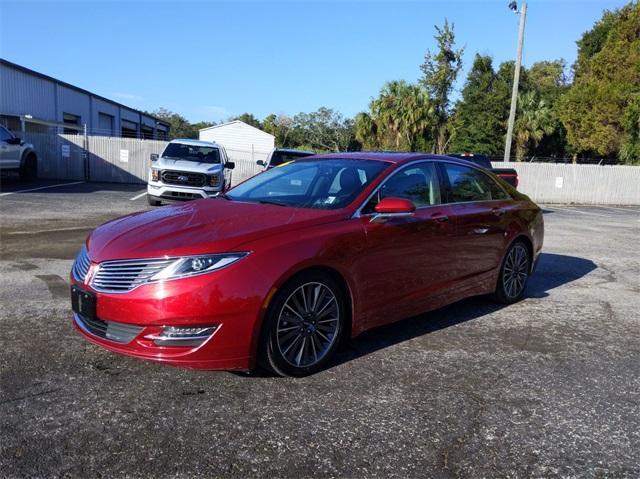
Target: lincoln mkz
{"type": "Point", "coordinates": [283, 268]}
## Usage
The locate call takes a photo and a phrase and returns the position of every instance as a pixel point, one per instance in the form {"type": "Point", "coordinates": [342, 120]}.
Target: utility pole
{"type": "Point", "coordinates": [516, 79]}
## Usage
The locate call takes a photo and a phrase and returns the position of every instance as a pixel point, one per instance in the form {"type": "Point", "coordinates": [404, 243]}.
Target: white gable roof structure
{"type": "Point", "coordinates": [239, 136]}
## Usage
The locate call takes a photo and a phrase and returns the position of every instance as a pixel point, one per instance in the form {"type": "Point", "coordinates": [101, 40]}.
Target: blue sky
{"type": "Point", "coordinates": [210, 60]}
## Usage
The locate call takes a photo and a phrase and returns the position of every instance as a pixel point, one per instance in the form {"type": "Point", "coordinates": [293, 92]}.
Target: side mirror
{"type": "Point", "coordinates": [154, 157]}
{"type": "Point", "coordinates": [230, 165]}
{"type": "Point", "coordinates": [391, 208]}
{"type": "Point", "coordinates": [261, 163]}
{"type": "Point", "coordinates": [13, 141]}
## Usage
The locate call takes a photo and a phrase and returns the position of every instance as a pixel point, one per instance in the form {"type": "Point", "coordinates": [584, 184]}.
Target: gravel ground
{"type": "Point", "coordinates": [547, 387]}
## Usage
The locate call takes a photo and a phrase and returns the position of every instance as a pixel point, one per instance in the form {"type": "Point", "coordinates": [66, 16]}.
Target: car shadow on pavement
{"type": "Point", "coordinates": [553, 271]}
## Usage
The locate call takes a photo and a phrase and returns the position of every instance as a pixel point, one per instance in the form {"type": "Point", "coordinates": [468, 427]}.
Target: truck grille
{"type": "Point", "coordinates": [81, 265]}
{"type": "Point", "coordinates": [183, 178]}
{"type": "Point", "coordinates": [117, 332]}
{"type": "Point", "coordinates": [124, 275]}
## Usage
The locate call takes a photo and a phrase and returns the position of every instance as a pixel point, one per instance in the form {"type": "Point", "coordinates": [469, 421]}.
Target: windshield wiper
{"type": "Point", "coordinates": [272, 202]}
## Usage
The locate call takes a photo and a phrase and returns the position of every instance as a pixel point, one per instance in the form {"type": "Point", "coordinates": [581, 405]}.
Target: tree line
{"type": "Point", "coordinates": [591, 110]}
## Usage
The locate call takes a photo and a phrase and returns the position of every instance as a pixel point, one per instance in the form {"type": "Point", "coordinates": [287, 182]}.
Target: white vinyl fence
{"type": "Point", "coordinates": [115, 159]}
{"type": "Point", "coordinates": [126, 160]}
{"type": "Point", "coordinates": [579, 184]}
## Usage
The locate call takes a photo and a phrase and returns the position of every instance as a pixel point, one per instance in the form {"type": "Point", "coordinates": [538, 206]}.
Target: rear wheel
{"type": "Point", "coordinates": [514, 274]}
{"type": "Point", "coordinates": [304, 325]}
{"type": "Point", "coordinates": [29, 168]}
{"type": "Point", "coordinates": [152, 201]}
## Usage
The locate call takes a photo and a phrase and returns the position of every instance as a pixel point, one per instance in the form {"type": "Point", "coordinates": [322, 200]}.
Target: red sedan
{"type": "Point", "coordinates": [292, 262]}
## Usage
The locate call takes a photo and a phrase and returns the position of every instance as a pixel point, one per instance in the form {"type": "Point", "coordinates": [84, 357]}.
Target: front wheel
{"type": "Point", "coordinates": [29, 169]}
{"type": "Point", "coordinates": [152, 201]}
{"type": "Point", "coordinates": [514, 274]}
{"type": "Point", "coordinates": [304, 325]}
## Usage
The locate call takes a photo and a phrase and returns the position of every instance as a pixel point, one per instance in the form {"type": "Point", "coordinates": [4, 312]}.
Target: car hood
{"type": "Point", "coordinates": [197, 227]}
{"type": "Point", "coordinates": [185, 165]}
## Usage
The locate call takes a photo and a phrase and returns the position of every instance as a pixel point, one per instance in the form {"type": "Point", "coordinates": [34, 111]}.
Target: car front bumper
{"type": "Point", "coordinates": [231, 300]}
{"type": "Point", "coordinates": [177, 193]}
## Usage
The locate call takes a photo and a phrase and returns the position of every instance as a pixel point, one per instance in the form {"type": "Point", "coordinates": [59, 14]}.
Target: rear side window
{"type": "Point", "coordinates": [469, 184]}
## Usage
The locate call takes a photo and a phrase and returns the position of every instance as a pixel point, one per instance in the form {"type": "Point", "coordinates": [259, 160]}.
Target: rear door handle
{"type": "Point", "coordinates": [439, 217]}
{"type": "Point", "coordinates": [498, 211]}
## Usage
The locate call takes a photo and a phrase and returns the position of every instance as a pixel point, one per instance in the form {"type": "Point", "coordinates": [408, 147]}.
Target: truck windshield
{"type": "Point", "coordinates": [201, 154]}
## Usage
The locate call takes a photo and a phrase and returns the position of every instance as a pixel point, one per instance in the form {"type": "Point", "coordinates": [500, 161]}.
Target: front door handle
{"type": "Point", "coordinates": [498, 211]}
{"type": "Point", "coordinates": [439, 218]}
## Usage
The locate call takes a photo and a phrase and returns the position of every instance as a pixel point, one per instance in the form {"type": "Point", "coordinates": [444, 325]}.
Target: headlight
{"type": "Point", "coordinates": [195, 265]}
{"type": "Point", "coordinates": [214, 180]}
{"type": "Point", "coordinates": [155, 175]}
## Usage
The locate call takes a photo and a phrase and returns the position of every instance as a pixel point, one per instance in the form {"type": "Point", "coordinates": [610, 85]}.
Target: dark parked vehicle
{"type": "Point", "coordinates": [507, 174]}
{"type": "Point", "coordinates": [280, 156]}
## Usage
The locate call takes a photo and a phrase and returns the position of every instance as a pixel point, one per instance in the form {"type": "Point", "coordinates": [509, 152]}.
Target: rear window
{"type": "Point", "coordinates": [280, 157]}
{"type": "Point", "coordinates": [197, 153]}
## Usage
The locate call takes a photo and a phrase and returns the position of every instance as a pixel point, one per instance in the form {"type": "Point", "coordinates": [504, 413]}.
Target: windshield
{"type": "Point", "coordinates": [201, 154]}
{"type": "Point", "coordinates": [322, 184]}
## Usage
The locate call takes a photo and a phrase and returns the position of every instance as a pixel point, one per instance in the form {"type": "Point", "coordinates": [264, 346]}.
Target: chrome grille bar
{"type": "Point", "coordinates": [124, 275]}
{"type": "Point", "coordinates": [81, 265]}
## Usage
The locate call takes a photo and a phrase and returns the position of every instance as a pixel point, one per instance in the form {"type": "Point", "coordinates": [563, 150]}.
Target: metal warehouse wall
{"type": "Point", "coordinates": [581, 184]}
{"type": "Point", "coordinates": [24, 92]}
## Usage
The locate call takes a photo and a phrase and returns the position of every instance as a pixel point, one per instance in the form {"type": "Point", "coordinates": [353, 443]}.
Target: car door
{"type": "Point", "coordinates": [9, 153]}
{"type": "Point", "coordinates": [480, 208]}
{"type": "Point", "coordinates": [405, 260]}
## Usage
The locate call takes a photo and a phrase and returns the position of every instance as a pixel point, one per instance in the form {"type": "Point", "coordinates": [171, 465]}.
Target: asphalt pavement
{"type": "Point", "coordinates": [546, 387]}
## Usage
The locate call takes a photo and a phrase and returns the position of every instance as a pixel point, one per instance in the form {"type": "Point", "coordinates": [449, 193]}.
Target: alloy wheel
{"type": "Point", "coordinates": [516, 270]}
{"type": "Point", "coordinates": [308, 324]}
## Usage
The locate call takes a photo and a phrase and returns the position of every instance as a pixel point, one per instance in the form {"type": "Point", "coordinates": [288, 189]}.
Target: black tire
{"type": "Point", "coordinates": [29, 168]}
{"type": "Point", "coordinates": [278, 350]}
{"type": "Point", "coordinates": [152, 201]}
{"type": "Point", "coordinates": [514, 273]}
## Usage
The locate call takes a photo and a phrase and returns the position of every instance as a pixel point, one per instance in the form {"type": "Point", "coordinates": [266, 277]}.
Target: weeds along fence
{"type": "Point", "coordinates": [114, 159]}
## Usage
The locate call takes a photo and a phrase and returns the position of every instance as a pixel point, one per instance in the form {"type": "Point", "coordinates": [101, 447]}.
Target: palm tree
{"type": "Point", "coordinates": [534, 120]}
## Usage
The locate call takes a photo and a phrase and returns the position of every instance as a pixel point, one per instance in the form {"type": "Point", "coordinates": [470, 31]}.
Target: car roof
{"type": "Point", "coordinates": [389, 156]}
{"type": "Point", "coordinates": [187, 141]}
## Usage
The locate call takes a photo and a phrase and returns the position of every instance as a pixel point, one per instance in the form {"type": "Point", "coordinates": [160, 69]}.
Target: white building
{"type": "Point", "coordinates": [240, 139]}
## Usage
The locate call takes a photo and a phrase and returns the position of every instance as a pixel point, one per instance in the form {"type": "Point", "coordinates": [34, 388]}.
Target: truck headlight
{"type": "Point", "coordinates": [195, 265]}
{"type": "Point", "coordinates": [214, 180]}
{"type": "Point", "coordinates": [155, 175]}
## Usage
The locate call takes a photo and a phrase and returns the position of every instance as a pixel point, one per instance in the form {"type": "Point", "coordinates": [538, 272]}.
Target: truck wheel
{"type": "Point", "coordinates": [29, 168]}
{"type": "Point", "coordinates": [152, 201]}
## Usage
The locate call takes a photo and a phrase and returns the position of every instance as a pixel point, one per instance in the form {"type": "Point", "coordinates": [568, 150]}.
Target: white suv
{"type": "Point", "coordinates": [187, 170]}
{"type": "Point", "coordinates": [17, 155]}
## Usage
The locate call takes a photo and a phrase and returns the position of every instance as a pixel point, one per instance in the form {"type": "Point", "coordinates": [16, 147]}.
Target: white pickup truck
{"type": "Point", "coordinates": [187, 170]}
{"type": "Point", "coordinates": [17, 155]}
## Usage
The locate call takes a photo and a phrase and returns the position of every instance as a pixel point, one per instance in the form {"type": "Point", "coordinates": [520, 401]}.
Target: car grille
{"type": "Point", "coordinates": [117, 332]}
{"type": "Point", "coordinates": [81, 265]}
{"type": "Point", "coordinates": [183, 178]}
{"type": "Point", "coordinates": [124, 275]}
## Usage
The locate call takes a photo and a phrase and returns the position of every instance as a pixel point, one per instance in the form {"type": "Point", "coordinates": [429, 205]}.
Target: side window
{"type": "Point", "coordinates": [4, 134]}
{"type": "Point", "coordinates": [416, 183]}
{"type": "Point", "coordinates": [469, 184]}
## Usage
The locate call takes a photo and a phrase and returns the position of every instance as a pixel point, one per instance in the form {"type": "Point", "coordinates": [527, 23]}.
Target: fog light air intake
{"type": "Point", "coordinates": [182, 336]}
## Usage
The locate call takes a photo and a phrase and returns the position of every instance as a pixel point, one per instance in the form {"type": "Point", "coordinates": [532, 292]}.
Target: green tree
{"type": "Point", "coordinates": [440, 71]}
{"type": "Point", "coordinates": [325, 130]}
{"type": "Point", "coordinates": [534, 119]}
{"type": "Point", "coordinates": [606, 86]}
{"type": "Point", "coordinates": [399, 118]}
{"type": "Point", "coordinates": [478, 124]}
{"type": "Point", "coordinates": [179, 125]}
{"type": "Point", "coordinates": [249, 119]}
